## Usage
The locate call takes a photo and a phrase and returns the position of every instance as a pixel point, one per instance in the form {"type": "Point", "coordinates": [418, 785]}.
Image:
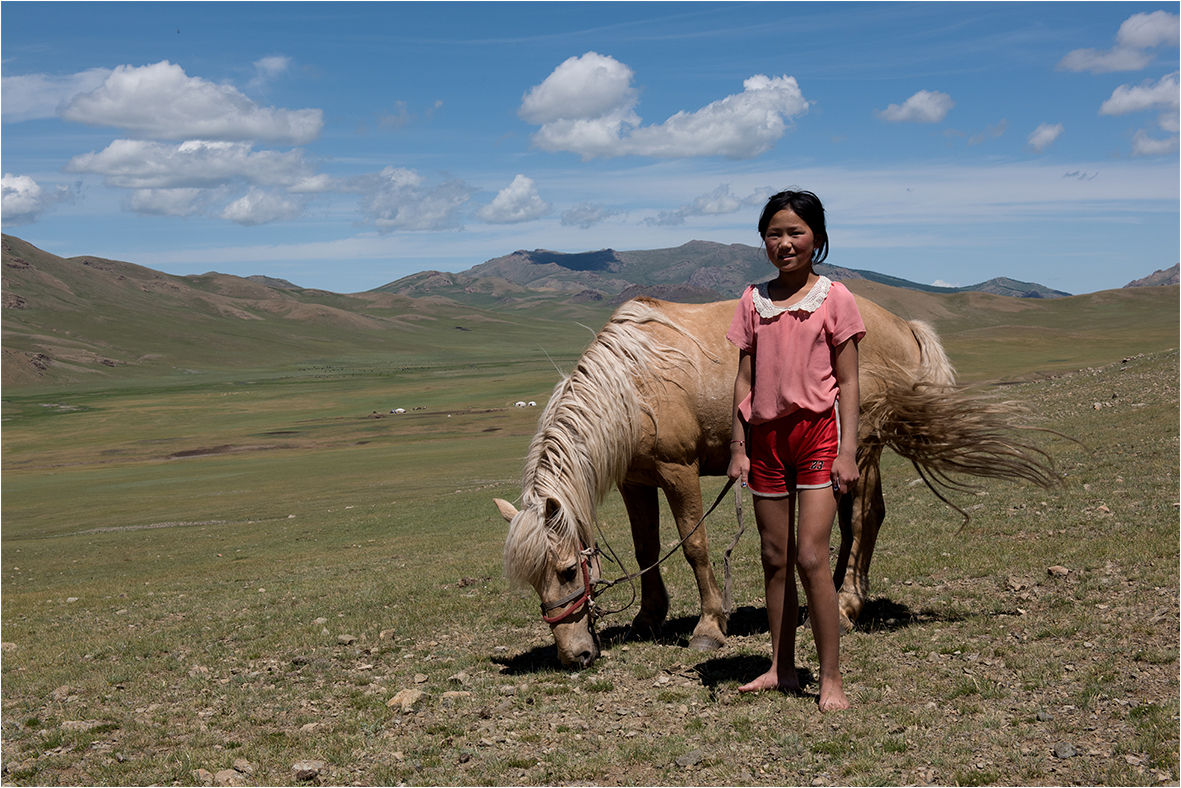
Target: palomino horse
{"type": "Point", "coordinates": [648, 407]}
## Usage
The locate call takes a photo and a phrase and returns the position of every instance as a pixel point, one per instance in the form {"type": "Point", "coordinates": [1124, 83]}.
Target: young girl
{"type": "Point", "coordinates": [797, 390]}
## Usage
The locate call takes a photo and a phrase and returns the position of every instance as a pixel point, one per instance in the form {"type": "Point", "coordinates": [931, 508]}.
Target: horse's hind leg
{"type": "Point", "coordinates": [643, 510]}
{"type": "Point", "coordinates": [861, 513]}
{"type": "Point", "coordinates": [683, 490]}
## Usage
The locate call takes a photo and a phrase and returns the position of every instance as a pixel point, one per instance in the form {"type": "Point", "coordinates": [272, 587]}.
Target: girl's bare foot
{"type": "Point", "coordinates": [773, 681]}
{"type": "Point", "coordinates": [833, 698]}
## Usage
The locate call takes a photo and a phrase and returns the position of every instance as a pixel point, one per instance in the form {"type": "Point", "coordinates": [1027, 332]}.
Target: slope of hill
{"type": "Point", "coordinates": [91, 319]}
{"type": "Point", "coordinates": [1169, 276]}
{"type": "Point", "coordinates": [698, 271]}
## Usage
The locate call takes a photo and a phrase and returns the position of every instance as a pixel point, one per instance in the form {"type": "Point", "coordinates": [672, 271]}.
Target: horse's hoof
{"type": "Point", "coordinates": [705, 643]}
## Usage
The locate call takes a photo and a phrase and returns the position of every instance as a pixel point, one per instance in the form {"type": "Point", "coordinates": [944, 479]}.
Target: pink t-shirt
{"type": "Point", "coordinates": [793, 349]}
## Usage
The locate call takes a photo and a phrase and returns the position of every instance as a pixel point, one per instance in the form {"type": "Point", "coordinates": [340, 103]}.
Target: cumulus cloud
{"type": "Point", "coordinates": [517, 202]}
{"type": "Point", "coordinates": [587, 106]}
{"type": "Point", "coordinates": [400, 199]}
{"type": "Point", "coordinates": [926, 106]}
{"type": "Point", "coordinates": [588, 214]}
{"type": "Point", "coordinates": [139, 164]}
{"type": "Point", "coordinates": [1128, 98]}
{"type": "Point", "coordinates": [169, 202]}
{"type": "Point", "coordinates": [258, 206]}
{"type": "Point", "coordinates": [23, 200]}
{"type": "Point", "coordinates": [588, 87]}
{"type": "Point", "coordinates": [1137, 35]}
{"type": "Point", "coordinates": [37, 96]}
{"type": "Point", "coordinates": [719, 201]}
{"type": "Point", "coordinates": [1143, 145]}
{"type": "Point", "coordinates": [186, 179]}
{"type": "Point", "coordinates": [1043, 135]}
{"type": "Point", "coordinates": [1164, 96]}
{"type": "Point", "coordinates": [160, 101]}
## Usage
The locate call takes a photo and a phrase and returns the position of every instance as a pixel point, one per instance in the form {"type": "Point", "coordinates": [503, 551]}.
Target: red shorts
{"type": "Point", "coordinates": [792, 453]}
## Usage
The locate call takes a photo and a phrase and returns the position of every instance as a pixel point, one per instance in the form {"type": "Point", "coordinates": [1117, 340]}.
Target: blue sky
{"type": "Point", "coordinates": [343, 146]}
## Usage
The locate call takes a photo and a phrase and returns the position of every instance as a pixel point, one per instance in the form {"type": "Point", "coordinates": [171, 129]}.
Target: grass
{"type": "Point", "coordinates": [197, 571]}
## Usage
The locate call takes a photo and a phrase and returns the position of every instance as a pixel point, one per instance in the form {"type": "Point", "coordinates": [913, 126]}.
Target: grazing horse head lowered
{"type": "Point", "coordinates": [549, 553]}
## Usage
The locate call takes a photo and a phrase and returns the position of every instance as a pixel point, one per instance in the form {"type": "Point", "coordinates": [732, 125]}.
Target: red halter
{"type": "Point", "coordinates": [583, 596]}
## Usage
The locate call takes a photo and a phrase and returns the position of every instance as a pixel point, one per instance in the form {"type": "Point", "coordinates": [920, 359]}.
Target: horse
{"type": "Point", "coordinates": [648, 407]}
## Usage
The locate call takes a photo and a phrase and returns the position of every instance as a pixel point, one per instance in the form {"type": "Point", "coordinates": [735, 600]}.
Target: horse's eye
{"type": "Point", "coordinates": [568, 574]}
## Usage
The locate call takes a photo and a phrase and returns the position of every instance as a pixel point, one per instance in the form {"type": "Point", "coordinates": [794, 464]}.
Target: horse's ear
{"type": "Point", "coordinates": [507, 510]}
{"type": "Point", "coordinates": [552, 507]}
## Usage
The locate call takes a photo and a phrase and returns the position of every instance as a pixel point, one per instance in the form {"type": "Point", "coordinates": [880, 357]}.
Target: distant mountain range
{"type": "Point", "coordinates": [68, 320]}
{"type": "Point", "coordinates": [697, 272]}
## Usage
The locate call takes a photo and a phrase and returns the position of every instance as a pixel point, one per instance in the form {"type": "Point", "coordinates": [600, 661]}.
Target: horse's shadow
{"type": "Point", "coordinates": [880, 614]}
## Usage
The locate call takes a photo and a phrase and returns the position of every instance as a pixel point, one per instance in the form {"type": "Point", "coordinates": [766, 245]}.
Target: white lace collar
{"type": "Point", "coordinates": [809, 303]}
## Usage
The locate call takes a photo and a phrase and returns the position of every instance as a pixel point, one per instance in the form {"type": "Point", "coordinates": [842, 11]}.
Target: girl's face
{"type": "Point", "coordinates": [789, 242]}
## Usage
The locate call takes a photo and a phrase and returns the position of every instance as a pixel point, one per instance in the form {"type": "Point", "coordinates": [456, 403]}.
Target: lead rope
{"type": "Point", "coordinates": [631, 577]}
{"type": "Point", "coordinates": [726, 597]}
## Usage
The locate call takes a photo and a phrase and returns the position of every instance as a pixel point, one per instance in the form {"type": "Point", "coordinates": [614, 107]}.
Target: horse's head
{"type": "Point", "coordinates": [544, 552]}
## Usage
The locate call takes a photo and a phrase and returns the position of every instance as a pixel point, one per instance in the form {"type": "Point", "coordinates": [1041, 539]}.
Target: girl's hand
{"type": "Point", "coordinates": [739, 466]}
{"type": "Point", "coordinates": [844, 473]}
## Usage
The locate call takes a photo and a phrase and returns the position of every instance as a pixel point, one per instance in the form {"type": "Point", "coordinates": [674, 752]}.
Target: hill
{"type": "Point", "coordinates": [696, 272]}
{"type": "Point", "coordinates": [92, 320]}
{"type": "Point", "coordinates": [1169, 276]}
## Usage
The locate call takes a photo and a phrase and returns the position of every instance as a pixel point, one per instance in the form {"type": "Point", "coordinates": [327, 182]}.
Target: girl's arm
{"type": "Point", "coordinates": [844, 468]}
{"type": "Point", "coordinates": [739, 463]}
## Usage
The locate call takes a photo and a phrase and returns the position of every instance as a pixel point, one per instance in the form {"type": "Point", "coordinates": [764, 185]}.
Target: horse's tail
{"type": "Point", "coordinates": [946, 431]}
{"type": "Point", "coordinates": [934, 366]}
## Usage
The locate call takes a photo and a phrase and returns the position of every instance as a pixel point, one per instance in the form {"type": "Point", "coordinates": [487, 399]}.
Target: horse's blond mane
{"type": "Point", "coordinates": [586, 437]}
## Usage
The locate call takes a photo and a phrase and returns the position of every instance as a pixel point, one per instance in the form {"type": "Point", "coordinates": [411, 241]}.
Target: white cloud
{"type": "Point", "coordinates": [1138, 34]}
{"type": "Point", "coordinates": [160, 101]}
{"type": "Point", "coordinates": [36, 96]}
{"type": "Point", "coordinates": [23, 200]}
{"type": "Point", "coordinates": [1145, 31]}
{"type": "Point", "coordinates": [1043, 135]}
{"type": "Point", "coordinates": [168, 202]}
{"type": "Point", "coordinates": [589, 87]}
{"type": "Point", "coordinates": [1163, 95]}
{"type": "Point", "coordinates": [137, 164]}
{"type": "Point", "coordinates": [1143, 145]}
{"type": "Point", "coordinates": [586, 215]}
{"type": "Point", "coordinates": [1127, 98]}
{"type": "Point", "coordinates": [586, 106]}
{"type": "Point", "coordinates": [262, 207]}
{"type": "Point", "coordinates": [398, 199]}
{"type": "Point", "coordinates": [926, 106]}
{"type": "Point", "coordinates": [1104, 61]}
{"type": "Point", "coordinates": [269, 68]}
{"type": "Point", "coordinates": [718, 202]}
{"type": "Point", "coordinates": [517, 202]}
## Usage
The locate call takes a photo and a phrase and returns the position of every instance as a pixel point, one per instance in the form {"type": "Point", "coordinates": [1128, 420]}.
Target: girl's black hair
{"type": "Point", "coordinates": [805, 205]}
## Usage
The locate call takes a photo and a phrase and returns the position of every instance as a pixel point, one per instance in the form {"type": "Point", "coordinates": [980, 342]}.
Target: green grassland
{"type": "Point", "coordinates": [218, 556]}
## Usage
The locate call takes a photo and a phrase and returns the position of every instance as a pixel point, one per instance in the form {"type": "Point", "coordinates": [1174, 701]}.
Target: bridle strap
{"type": "Point", "coordinates": [579, 597]}
{"type": "Point", "coordinates": [585, 595]}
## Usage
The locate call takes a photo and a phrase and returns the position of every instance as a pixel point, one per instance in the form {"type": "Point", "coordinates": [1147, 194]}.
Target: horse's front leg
{"type": "Point", "coordinates": [683, 490]}
{"type": "Point", "coordinates": [643, 511]}
{"type": "Point", "coordinates": [861, 513]}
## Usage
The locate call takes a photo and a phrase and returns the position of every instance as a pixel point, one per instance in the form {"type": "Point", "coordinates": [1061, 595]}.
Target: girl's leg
{"type": "Point", "coordinates": [776, 521]}
{"type": "Point", "coordinates": [817, 509]}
